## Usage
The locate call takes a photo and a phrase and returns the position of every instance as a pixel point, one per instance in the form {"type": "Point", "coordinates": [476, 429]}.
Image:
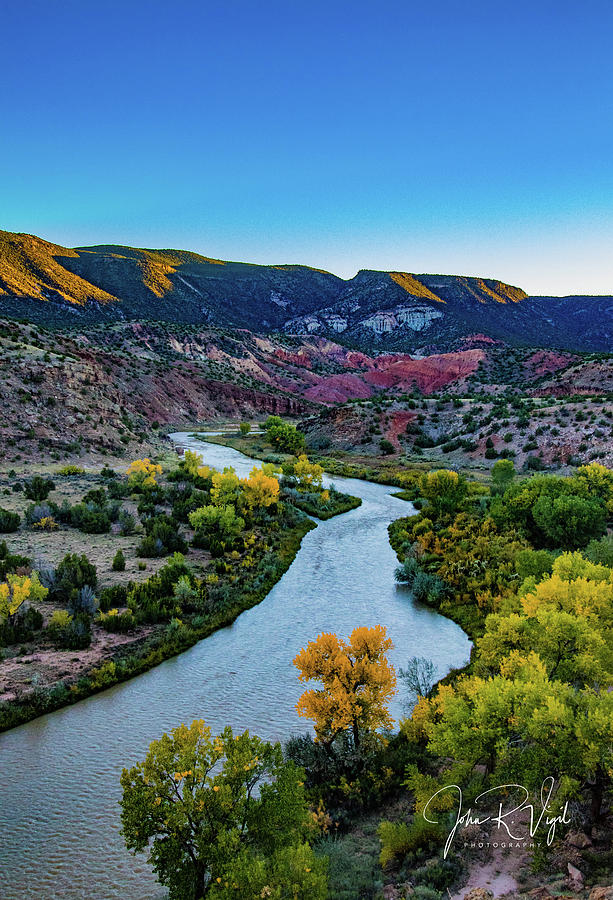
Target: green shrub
{"type": "Point", "coordinates": [68, 632]}
{"type": "Point", "coordinates": [601, 551]}
{"type": "Point", "coordinates": [398, 838]}
{"type": "Point", "coordinates": [73, 573]}
{"type": "Point", "coordinates": [116, 622]}
{"type": "Point", "coordinates": [9, 521]}
{"type": "Point", "coordinates": [119, 562]}
{"type": "Point", "coordinates": [90, 518]}
{"type": "Point", "coordinates": [71, 470]}
{"type": "Point", "coordinates": [38, 488]}
{"type": "Point", "coordinates": [21, 626]}
{"type": "Point", "coordinates": [117, 595]}
{"type": "Point", "coordinates": [126, 521]}
{"type": "Point", "coordinates": [162, 537]}
{"type": "Point", "coordinates": [10, 562]}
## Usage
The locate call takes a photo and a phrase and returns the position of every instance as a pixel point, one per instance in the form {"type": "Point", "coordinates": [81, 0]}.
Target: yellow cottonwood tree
{"type": "Point", "coordinates": [192, 462]}
{"type": "Point", "coordinates": [226, 488]}
{"type": "Point", "coordinates": [358, 682]}
{"type": "Point", "coordinates": [260, 489]}
{"type": "Point", "coordinates": [16, 590]}
{"type": "Point", "coordinates": [309, 474]}
{"type": "Point", "coordinates": [142, 473]}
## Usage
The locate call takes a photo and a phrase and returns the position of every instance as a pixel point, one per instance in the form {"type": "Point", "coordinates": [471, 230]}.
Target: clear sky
{"type": "Point", "coordinates": [433, 136]}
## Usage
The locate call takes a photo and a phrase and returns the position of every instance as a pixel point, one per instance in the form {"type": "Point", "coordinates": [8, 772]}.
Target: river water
{"type": "Point", "coordinates": [59, 784]}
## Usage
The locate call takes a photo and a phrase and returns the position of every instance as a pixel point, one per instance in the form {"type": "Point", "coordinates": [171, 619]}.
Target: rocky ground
{"type": "Point", "coordinates": [104, 392]}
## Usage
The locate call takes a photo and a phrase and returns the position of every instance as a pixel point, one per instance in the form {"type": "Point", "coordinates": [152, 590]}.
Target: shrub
{"type": "Point", "coordinates": [116, 622]}
{"type": "Point", "coordinates": [127, 522]}
{"type": "Point", "coordinates": [68, 632]}
{"type": "Point", "coordinates": [113, 596]}
{"type": "Point", "coordinates": [387, 448]}
{"type": "Point", "coordinates": [601, 552]}
{"type": "Point", "coordinates": [398, 838]}
{"type": "Point", "coordinates": [83, 601]}
{"type": "Point", "coordinates": [154, 600]}
{"type": "Point", "coordinates": [71, 470]}
{"type": "Point", "coordinates": [90, 518]}
{"type": "Point", "coordinates": [162, 537]}
{"type": "Point", "coordinates": [408, 571]}
{"type": "Point", "coordinates": [21, 626]}
{"type": "Point", "coordinates": [119, 562]}
{"type": "Point", "coordinates": [38, 488]}
{"type": "Point", "coordinates": [37, 511]}
{"type": "Point", "coordinates": [10, 562]}
{"type": "Point", "coordinates": [9, 521]}
{"type": "Point", "coordinates": [60, 618]}
{"type": "Point", "coordinates": [73, 573]}
{"type": "Point", "coordinates": [535, 463]}
{"type": "Point", "coordinates": [47, 523]}
{"type": "Point", "coordinates": [118, 490]}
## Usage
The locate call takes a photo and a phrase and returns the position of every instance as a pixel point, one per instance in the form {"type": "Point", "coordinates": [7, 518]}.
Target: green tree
{"type": "Point", "coordinates": [503, 473]}
{"type": "Point", "coordinates": [291, 873]}
{"type": "Point", "coordinates": [244, 428]}
{"type": "Point", "coordinates": [283, 436]}
{"type": "Point", "coordinates": [568, 521]}
{"type": "Point", "coordinates": [444, 490]}
{"type": "Point", "coordinates": [213, 809]}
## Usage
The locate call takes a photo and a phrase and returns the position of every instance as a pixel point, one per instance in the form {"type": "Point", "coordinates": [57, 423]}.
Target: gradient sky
{"type": "Point", "coordinates": [457, 137]}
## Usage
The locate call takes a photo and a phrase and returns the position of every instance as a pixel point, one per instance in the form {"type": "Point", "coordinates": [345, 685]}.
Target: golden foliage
{"type": "Point", "coordinates": [260, 489]}
{"type": "Point", "coordinates": [142, 473]}
{"type": "Point", "coordinates": [16, 590]}
{"type": "Point", "coordinates": [309, 474]}
{"type": "Point", "coordinates": [358, 682]}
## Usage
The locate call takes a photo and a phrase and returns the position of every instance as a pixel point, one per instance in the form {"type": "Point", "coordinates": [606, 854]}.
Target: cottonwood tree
{"type": "Point", "coordinates": [260, 490]}
{"type": "Point", "coordinates": [142, 473]}
{"type": "Point", "coordinates": [221, 816]}
{"type": "Point", "coordinates": [357, 684]}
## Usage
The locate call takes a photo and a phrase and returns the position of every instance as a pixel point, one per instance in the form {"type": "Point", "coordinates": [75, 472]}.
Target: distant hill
{"type": "Point", "coordinates": [374, 311]}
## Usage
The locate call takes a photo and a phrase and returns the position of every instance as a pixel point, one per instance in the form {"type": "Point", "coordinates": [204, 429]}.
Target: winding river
{"type": "Point", "coordinates": [59, 786]}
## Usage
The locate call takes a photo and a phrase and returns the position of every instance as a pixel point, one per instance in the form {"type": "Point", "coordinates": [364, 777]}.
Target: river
{"type": "Point", "coordinates": [59, 790]}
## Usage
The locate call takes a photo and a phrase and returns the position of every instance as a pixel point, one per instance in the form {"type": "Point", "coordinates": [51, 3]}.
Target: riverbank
{"type": "Point", "coordinates": [134, 658]}
{"type": "Point", "coordinates": [37, 677]}
{"type": "Point", "coordinates": [377, 469]}
{"type": "Point", "coordinates": [253, 446]}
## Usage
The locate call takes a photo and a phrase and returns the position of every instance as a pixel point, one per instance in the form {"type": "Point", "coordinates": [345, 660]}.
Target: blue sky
{"type": "Point", "coordinates": [458, 137]}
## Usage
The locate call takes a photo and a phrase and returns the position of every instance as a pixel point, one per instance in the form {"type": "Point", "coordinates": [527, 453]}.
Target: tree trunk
{"type": "Point", "coordinates": [356, 735]}
{"type": "Point", "coordinates": [596, 797]}
{"type": "Point", "coordinates": [199, 877]}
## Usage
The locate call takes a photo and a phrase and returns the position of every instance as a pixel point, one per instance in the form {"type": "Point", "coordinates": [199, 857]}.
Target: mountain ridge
{"type": "Point", "coordinates": [375, 310]}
